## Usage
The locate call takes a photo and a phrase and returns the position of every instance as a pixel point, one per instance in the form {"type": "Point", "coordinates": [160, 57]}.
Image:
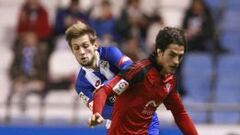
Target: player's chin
{"type": "Point", "coordinates": [85, 63]}
{"type": "Point", "coordinates": [172, 70]}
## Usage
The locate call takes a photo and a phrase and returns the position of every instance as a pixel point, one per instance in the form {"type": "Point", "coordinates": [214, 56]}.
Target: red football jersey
{"type": "Point", "coordinates": [135, 106]}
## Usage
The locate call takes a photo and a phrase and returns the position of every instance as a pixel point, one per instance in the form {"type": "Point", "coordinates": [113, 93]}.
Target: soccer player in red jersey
{"type": "Point", "coordinates": [144, 86]}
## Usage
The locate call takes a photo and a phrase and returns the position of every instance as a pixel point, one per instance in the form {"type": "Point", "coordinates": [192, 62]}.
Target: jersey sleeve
{"type": "Point", "coordinates": [119, 84]}
{"type": "Point", "coordinates": [103, 92]}
{"type": "Point", "coordinates": [117, 58]}
{"type": "Point", "coordinates": [174, 103]}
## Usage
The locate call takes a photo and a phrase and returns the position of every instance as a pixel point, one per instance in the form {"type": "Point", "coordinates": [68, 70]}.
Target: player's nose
{"type": "Point", "coordinates": [176, 61]}
{"type": "Point", "coordinates": [81, 51]}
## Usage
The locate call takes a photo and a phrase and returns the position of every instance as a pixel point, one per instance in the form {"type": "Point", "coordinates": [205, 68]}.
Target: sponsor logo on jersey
{"type": "Point", "coordinates": [83, 97]}
{"type": "Point", "coordinates": [121, 86]}
{"type": "Point", "coordinates": [150, 107]}
{"type": "Point", "coordinates": [151, 103]}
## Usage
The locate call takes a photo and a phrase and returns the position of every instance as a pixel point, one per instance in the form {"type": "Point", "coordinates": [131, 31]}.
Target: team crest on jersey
{"type": "Point", "coordinates": [104, 64]}
{"type": "Point", "coordinates": [105, 69]}
{"type": "Point", "coordinates": [168, 86]}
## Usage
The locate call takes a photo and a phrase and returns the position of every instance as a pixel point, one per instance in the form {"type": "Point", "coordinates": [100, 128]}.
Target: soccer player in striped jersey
{"type": "Point", "coordinates": [98, 65]}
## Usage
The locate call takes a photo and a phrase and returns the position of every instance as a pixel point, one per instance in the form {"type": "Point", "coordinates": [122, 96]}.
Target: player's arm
{"type": "Point", "coordinates": [116, 86]}
{"type": "Point", "coordinates": [115, 57]}
{"type": "Point", "coordinates": [174, 103]}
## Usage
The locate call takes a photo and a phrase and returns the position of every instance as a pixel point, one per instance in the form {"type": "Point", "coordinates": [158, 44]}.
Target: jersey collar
{"type": "Point", "coordinates": [97, 62]}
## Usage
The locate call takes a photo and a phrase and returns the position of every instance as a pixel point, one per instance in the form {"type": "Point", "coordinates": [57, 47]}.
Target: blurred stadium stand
{"type": "Point", "coordinates": [230, 40]}
{"type": "Point", "coordinates": [65, 114]}
{"type": "Point", "coordinates": [228, 88]}
{"type": "Point", "coordinates": [197, 70]}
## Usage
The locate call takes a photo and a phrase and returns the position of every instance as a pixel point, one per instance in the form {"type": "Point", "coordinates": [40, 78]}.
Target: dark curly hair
{"type": "Point", "coordinates": [170, 35]}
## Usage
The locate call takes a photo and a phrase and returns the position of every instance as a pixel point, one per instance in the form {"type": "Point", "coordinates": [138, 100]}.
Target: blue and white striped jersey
{"type": "Point", "coordinates": [111, 62]}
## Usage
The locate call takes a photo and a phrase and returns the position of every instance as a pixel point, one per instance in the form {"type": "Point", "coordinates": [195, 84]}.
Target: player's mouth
{"type": "Point", "coordinates": [83, 59]}
{"type": "Point", "coordinates": [173, 68]}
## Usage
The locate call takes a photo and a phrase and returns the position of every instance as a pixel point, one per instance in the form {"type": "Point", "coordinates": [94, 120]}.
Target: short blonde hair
{"type": "Point", "coordinates": [79, 29]}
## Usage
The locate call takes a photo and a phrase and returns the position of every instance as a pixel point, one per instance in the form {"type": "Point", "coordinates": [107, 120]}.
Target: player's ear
{"type": "Point", "coordinates": [159, 52]}
{"type": "Point", "coordinates": [96, 44]}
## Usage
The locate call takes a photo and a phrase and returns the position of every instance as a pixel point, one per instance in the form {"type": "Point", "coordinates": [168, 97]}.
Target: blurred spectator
{"type": "Point", "coordinates": [65, 17]}
{"type": "Point", "coordinates": [29, 69]}
{"type": "Point", "coordinates": [133, 50]}
{"type": "Point", "coordinates": [105, 24]}
{"type": "Point", "coordinates": [34, 17]}
{"type": "Point", "coordinates": [200, 27]}
{"type": "Point", "coordinates": [156, 24]}
{"type": "Point", "coordinates": [132, 22]}
{"type": "Point", "coordinates": [69, 15]}
{"type": "Point", "coordinates": [201, 34]}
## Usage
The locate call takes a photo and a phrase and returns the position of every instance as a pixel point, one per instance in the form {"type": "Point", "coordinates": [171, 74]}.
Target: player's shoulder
{"type": "Point", "coordinates": [108, 50]}
{"type": "Point", "coordinates": [110, 53]}
{"type": "Point", "coordinates": [138, 70]}
{"type": "Point", "coordinates": [140, 65]}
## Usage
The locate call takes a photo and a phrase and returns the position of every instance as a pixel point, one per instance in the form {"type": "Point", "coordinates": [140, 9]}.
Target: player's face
{"type": "Point", "coordinates": [170, 58]}
{"type": "Point", "coordinates": [84, 51]}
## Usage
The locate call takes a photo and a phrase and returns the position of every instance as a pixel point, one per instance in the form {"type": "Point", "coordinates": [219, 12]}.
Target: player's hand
{"type": "Point", "coordinates": [95, 120]}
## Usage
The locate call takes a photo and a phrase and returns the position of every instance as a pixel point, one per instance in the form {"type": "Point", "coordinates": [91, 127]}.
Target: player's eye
{"type": "Point", "coordinates": [76, 48]}
{"type": "Point", "coordinates": [172, 55]}
{"type": "Point", "coordinates": [86, 45]}
{"type": "Point", "coordinates": [180, 57]}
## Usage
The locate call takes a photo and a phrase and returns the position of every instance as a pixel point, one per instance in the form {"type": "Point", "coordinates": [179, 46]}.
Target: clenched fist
{"type": "Point", "coordinates": [95, 120]}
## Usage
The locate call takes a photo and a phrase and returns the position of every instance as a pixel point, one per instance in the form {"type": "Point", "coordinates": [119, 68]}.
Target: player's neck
{"type": "Point", "coordinates": [156, 62]}
{"type": "Point", "coordinates": [96, 61]}
{"type": "Point", "coordinates": [163, 73]}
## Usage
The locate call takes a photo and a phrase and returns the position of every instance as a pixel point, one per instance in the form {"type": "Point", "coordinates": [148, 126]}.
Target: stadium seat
{"type": "Point", "coordinates": [197, 71]}
{"type": "Point", "coordinates": [228, 88]}
{"type": "Point", "coordinates": [197, 75]}
{"type": "Point", "coordinates": [230, 21]}
{"type": "Point", "coordinates": [233, 4]}
{"type": "Point", "coordinates": [213, 4]}
{"type": "Point", "coordinates": [231, 40]}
